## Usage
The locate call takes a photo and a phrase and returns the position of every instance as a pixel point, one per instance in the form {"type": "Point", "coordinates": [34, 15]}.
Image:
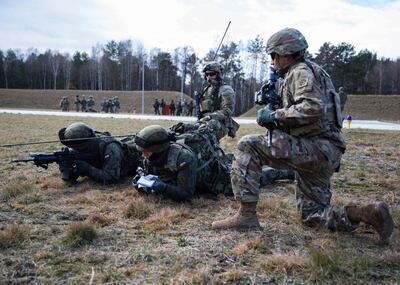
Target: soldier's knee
{"type": "Point", "coordinates": [245, 143]}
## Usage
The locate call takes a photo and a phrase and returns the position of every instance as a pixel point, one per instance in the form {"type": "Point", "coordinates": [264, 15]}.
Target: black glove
{"type": "Point", "coordinates": [135, 180]}
{"type": "Point", "coordinates": [158, 186]}
{"type": "Point", "coordinates": [81, 167]}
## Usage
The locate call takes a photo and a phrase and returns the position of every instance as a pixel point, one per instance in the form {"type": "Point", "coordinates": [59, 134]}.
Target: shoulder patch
{"type": "Point", "coordinates": [303, 82]}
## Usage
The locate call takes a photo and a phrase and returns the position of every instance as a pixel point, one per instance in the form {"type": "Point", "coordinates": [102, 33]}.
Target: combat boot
{"type": "Point", "coordinates": [245, 218]}
{"type": "Point", "coordinates": [377, 215]}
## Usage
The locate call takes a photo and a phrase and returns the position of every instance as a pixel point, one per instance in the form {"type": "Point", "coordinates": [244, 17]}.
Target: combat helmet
{"type": "Point", "coordinates": [75, 134]}
{"type": "Point", "coordinates": [152, 138]}
{"type": "Point", "coordinates": [286, 41]}
{"type": "Point", "coordinates": [213, 66]}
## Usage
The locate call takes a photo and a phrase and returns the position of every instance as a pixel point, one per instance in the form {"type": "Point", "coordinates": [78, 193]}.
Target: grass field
{"type": "Point", "coordinates": [49, 99]}
{"type": "Point", "coordinates": [365, 107]}
{"type": "Point", "coordinates": [51, 233]}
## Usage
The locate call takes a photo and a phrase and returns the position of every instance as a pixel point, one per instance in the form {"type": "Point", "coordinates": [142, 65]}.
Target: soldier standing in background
{"type": "Point", "coordinates": [110, 105]}
{"type": "Point", "coordinates": [91, 103]}
{"type": "Point", "coordinates": [217, 100]}
{"type": "Point", "coordinates": [343, 97]}
{"type": "Point", "coordinates": [104, 106]}
{"type": "Point", "coordinates": [172, 108]}
{"type": "Point", "coordinates": [83, 103]}
{"type": "Point", "coordinates": [179, 109]}
{"type": "Point", "coordinates": [306, 138]}
{"type": "Point", "coordinates": [77, 103]}
{"type": "Point", "coordinates": [184, 108]}
{"type": "Point", "coordinates": [156, 107]}
{"type": "Point", "coordinates": [66, 104]}
{"type": "Point", "coordinates": [117, 105]}
{"type": "Point", "coordinates": [62, 104]}
{"type": "Point", "coordinates": [162, 106]}
{"type": "Point", "coordinates": [190, 108]}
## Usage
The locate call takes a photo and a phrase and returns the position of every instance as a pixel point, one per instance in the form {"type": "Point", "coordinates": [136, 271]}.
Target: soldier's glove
{"type": "Point", "coordinates": [158, 186]}
{"type": "Point", "coordinates": [135, 180]}
{"type": "Point", "coordinates": [266, 116]}
{"type": "Point", "coordinates": [81, 167]}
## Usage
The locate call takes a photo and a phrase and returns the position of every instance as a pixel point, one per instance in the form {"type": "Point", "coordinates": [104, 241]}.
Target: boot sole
{"type": "Point", "coordinates": [388, 226]}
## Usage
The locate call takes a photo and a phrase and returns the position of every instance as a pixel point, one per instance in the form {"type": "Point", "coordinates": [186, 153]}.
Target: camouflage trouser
{"type": "Point", "coordinates": [314, 160]}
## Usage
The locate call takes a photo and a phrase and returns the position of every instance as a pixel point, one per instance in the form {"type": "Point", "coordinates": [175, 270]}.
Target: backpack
{"type": "Point", "coordinates": [214, 165]}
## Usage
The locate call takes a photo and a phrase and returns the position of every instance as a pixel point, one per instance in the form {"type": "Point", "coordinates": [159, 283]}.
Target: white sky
{"type": "Point", "coordinates": [73, 25]}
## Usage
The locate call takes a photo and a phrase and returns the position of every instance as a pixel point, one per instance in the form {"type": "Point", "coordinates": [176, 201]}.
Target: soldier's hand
{"type": "Point", "coordinates": [81, 167]}
{"type": "Point", "coordinates": [158, 186]}
{"type": "Point", "coordinates": [265, 116]}
{"type": "Point", "coordinates": [135, 180]}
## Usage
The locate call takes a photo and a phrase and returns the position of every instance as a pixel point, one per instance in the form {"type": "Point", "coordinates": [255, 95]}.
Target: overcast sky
{"type": "Point", "coordinates": [68, 26]}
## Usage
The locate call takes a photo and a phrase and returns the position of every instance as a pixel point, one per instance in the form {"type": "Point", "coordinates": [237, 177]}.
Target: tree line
{"type": "Point", "coordinates": [123, 65]}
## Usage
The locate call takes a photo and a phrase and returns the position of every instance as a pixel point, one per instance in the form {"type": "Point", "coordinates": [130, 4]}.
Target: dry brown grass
{"type": "Point", "coordinates": [246, 246]}
{"type": "Point", "coordinates": [100, 219]}
{"type": "Point", "coordinates": [287, 263]}
{"type": "Point", "coordinates": [165, 218]}
{"type": "Point", "coordinates": [138, 208]}
{"type": "Point", "coordinates": [13, 235]}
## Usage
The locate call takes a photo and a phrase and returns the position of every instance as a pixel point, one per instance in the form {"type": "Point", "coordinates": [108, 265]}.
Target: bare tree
{"type": "Point", "coordinates": [55, 62]}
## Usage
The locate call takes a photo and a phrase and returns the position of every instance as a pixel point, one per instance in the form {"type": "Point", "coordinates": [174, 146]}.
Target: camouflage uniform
{"type": "Point", "coordinates": [217, 102]}
{"type": "Point", "coordinates": [156, 107]}
{"type": "Point", "coordinates": [83, 103]}
{"type": "Point", "coordinates": [190, 108]}
{"type": "Point", "coordinates": [91, 103]}
{"type": "Point", "coordinates": [179, 109]}
{"type": "Point", "coordinates": [162, 106]}
{"type": "Point", "coordinates": [115, 158]}
{"type": "Point", "coordinates": [77, 103]}
{"type": "Point", "coordinates": [308, 140]}
{"type": "Point", "coordinates": [306, 137]}
{"type": "Point", "coordinates": [343, 98]}
{"type": "Point", "coordinates": [172, 108]}
{"type": "Point", "coordinates": [117, 105]}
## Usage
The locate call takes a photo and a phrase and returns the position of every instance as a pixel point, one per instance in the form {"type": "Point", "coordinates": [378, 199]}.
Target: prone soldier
{"type": "Point", "coordinates": [113, 158]}
{"type": "Point", "coordinates": [183, 164]}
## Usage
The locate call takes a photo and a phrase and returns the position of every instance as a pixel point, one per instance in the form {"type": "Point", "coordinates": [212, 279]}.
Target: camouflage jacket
{"type": "Point", "coordinates": [177, 167]}
{"type": "Point", "coordinates": [310, 105]}
{"type": "Point", "coordinates": [217, 102]}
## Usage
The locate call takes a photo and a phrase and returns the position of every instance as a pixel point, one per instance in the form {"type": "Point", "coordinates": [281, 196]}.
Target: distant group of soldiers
{"type": "Point", "coordinates": [111, 105]}
{"type": "Point", "coordinates": [83, 104]}
{"type": "Point", "coordinates": [182, 108]}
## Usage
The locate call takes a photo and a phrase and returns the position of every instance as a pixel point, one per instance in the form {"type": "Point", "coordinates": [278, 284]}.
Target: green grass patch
{"type": "Point", "coordinates": [14, 190]}
{"type": "Point", "coordinates": [80, 234]}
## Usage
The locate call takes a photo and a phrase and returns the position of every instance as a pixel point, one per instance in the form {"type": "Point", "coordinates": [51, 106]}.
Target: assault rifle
{"type": "Point", "coordinates": [267, 95]}
{"type": "Point", "coordinates": [65, 158]}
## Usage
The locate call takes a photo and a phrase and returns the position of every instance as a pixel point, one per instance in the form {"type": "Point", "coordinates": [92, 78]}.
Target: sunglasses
{"type": "Point", "coordinates": [273, 55]}
{"type": "Point", "coordinates": [211, 73]}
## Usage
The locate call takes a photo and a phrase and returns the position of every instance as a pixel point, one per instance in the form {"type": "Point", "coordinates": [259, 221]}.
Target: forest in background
{"type": "Point", "coordinates": [121, 65]}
